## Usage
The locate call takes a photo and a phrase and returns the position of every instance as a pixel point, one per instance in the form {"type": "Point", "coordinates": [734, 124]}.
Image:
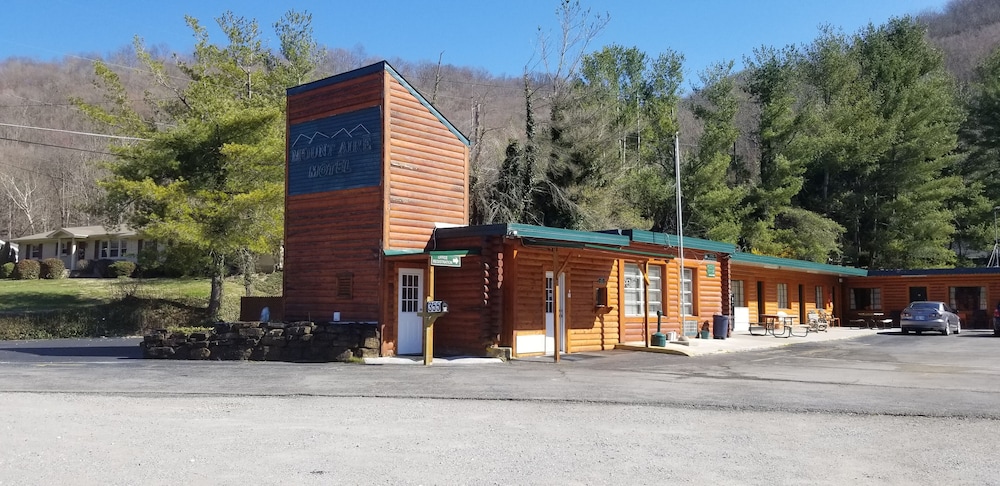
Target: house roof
{"type": "Point", "coordinates": [935, 271]}
{"type": "Point", "coordinates": [798, 265]}
{"type": "Point", "coordinates": [374, 68]}
{"type": "Point", "coordinates": [77, 232]}
{"type": "Point", "coordinates": [518, 230]}
{"type": "Point", "coordinates": [664, 239]}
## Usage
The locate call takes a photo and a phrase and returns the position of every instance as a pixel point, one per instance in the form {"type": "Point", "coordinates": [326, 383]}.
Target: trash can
{"type": "Point", "coordinates": [720, 326]}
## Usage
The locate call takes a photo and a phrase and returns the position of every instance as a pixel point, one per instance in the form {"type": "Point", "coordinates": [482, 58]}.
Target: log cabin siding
{"type": "Point", "coordinates": [798, 306]}
{"type": "Point", "coordinates": [895, 292]}
{"type": "Point", "coordinates": [427, 179]}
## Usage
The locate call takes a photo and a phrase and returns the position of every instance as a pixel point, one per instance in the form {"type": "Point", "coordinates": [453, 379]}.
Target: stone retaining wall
{"type": "Point", "coordinates": [268, 341]}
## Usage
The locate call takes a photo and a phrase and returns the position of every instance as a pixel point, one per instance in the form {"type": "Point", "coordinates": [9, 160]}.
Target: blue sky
{"type": "Point", "coordinates": [500, 37]}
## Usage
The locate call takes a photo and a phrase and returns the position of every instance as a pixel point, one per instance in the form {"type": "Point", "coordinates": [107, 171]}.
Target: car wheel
{"type": "Point", "coordinates": [958, 330]}
{"type": "Point", "coordinates": [996, 330]}
{"type": "Point", "coordinates": [947, 329]}
{"type": "Point", "coordinates": [918, 332]}
{"type": "Point", "coordinates": [905, 331]}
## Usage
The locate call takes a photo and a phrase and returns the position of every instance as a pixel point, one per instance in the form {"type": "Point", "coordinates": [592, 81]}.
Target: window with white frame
{"type": "Point", "coordinates": [783, 296]}
{"type": "Point", "coordinates": [655, 289]}
{"type": "Point", "coordinates": [550, 301]}
{"type": "Point", "coordinates": [739, 297]}
{"type": "Point", "coordinates": [65, 247]}
{"type": "Point", "coordinates": [819, 297]}
{"type": "Point", "coordinates": [633, 290]}
{"type": "Point", "coordinates": [112, 248]}
{"type": "Point", "coordinates": [35, 252]}
{"type": "Point", "coordinates": [687, 292]}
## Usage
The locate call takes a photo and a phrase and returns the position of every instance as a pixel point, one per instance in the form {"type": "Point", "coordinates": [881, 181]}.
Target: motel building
{"type": "Point", "coordinates": [377, 224]}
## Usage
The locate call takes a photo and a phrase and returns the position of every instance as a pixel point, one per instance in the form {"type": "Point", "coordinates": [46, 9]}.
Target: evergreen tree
{"type": "Point", "coordinates": [211, 177]}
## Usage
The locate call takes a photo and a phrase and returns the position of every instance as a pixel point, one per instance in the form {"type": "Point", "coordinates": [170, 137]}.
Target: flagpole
{"type": "Point", "coordinates": [680, 228]}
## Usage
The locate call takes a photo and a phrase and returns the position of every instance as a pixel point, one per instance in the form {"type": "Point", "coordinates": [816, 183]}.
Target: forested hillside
{"type": "Point", "coordinates": [871, 148]}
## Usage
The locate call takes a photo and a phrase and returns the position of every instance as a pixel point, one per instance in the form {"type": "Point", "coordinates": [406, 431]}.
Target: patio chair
{"type": "Point", "coordinates": [816, 322]}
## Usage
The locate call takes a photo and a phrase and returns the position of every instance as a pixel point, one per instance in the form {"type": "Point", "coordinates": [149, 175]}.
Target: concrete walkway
{"type": "Point", "coordinates": [740, 341]}
{"type": "Point", "coordinates": [743, 341]}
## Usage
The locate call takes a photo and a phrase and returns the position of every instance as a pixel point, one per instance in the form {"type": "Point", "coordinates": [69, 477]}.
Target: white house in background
{"type": "Point", "coordinates": [96, 243]}
{"type": "Point", "coordinates": [81, 243]}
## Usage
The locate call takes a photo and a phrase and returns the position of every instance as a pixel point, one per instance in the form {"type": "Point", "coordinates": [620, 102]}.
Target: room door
{"type": "Point", "coordinates": [410, 326]}
{"type": "Point", "coordinates": [550, 328]}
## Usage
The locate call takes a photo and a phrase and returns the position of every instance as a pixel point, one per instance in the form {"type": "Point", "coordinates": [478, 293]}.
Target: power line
{"type": "Point", "coordinates": [116, 137]}
{"type": "Point", "coordinates": [58, 146]}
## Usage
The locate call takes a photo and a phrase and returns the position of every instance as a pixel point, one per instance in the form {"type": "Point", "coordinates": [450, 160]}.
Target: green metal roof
{"type": "Point", "coordinates": [518, 230]}
{"type": "Point", "coordinates": [664, 239]}
{"type": "Point", "coordinates": [800, 265]}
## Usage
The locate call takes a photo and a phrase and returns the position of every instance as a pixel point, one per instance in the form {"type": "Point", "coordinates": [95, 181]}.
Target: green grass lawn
{"type": "Point", "coordinates": [23, 296]}
{"type": "Point", "coordinates": [91, 307]}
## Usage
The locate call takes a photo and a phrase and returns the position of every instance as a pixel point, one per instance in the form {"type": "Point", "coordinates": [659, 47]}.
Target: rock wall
{"type": "Point", "coordinates": [268, 341]}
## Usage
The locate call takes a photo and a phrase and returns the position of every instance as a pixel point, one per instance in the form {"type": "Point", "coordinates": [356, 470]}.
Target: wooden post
{"type": "Point", "coordinates": [428, 320]}
{"type": "Point", "coordinates": [555, 305]}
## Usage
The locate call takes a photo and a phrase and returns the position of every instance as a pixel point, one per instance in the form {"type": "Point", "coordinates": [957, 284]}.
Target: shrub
{"type": "Point", "coordinates": [121, 268]}
{"type": "Point", "coordinates": [101, 267]}
{"type": "Point", "coordinates": [7, 270]}
{"type": "Point", "coordinates": [84, 266]}
{"type": "Point", "coordinates": [52, 268]}
{"type": "Point", "coordinates": [27, 270]}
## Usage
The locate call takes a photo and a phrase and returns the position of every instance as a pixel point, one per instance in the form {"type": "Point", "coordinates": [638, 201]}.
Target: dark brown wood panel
{"type": "Point", "coordinates": [327, 235]}
{"type": "Point", "coordinates": [352, 95]}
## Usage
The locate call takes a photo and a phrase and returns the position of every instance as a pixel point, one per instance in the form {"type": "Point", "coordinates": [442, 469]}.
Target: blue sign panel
{"type": "Point", "coordinates": [337, 152]}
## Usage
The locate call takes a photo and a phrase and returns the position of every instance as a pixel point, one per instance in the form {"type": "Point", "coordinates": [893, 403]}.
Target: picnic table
{"type": "Point", "coordinates": [872, 320]}
{"type": "Point", "coordinates": [773, 321]}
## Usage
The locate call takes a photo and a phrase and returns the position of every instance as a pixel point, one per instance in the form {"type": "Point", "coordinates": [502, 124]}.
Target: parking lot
{"type": "Point", "coordinates": [881, 408]}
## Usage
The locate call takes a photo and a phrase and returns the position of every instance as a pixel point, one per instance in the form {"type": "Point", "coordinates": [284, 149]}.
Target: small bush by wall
{"type": "Point", "coordinates": [52, 268]}
{"type": "Point", "coordinates": [7, 270]}
{"type": "Point", "coordinates": [27, 270]}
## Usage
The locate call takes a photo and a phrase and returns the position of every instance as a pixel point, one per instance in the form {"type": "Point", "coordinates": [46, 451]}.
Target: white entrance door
{"type": "Point", "coordinates": [550, 331]}
{"type": "Point", "coordinates": [411, 301]}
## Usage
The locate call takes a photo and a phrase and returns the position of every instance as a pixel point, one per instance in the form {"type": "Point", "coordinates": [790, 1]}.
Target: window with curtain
{"type": "Point", "coordinates": [633, 290]}
{"type": "Point", "coordinates": [655, 289]}
{"type": "Point", "coordinates": [783, 296]}
{"type": "Point", "coordinates": [739, 297]}
{"type": "Point", "coordinates": [687, 292]}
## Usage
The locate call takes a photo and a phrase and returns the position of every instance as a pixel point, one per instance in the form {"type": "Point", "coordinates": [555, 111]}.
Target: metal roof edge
{"type": "Point", "coordinates": [519, 230]}
{"type": "Point", "coordinates": [788, 263]}
{"type": "Point", "coordinates": [427, 104]}
{"type": "Point", "coordinates": [371, 69]}
{"type": "Point", "coordinates": [336, 78]}
{"type": "Point", "coordinates": [935, 271]}
{"type": "Point", "coordinates": [401, 252]}
{"type": "Point", "coordinates": [665, 239]}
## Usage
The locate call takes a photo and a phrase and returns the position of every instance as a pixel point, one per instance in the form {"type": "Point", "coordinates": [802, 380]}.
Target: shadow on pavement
{"type": "Point", "coordinates": [120, 348]}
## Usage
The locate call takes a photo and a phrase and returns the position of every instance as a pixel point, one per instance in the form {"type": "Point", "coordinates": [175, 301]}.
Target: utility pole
{"type": "Point", "coordinates": [995, 256]}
